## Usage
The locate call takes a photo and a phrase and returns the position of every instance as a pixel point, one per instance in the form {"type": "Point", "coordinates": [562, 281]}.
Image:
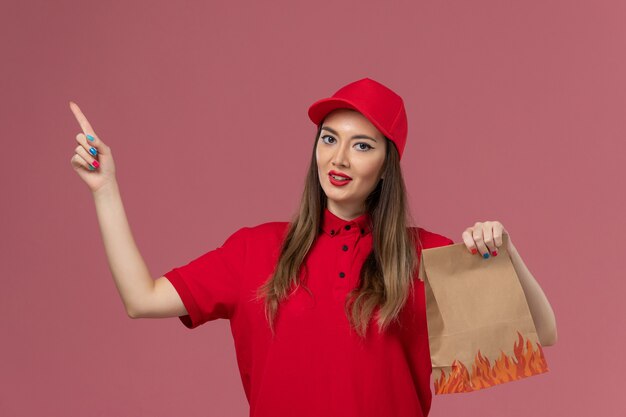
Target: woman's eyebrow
{"type": "Point", "coordinates": [353, 137]}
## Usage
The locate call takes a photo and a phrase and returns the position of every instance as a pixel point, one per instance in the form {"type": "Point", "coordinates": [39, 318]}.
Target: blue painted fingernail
{"type": "Point", "coordinates": [91, 138]}
{"type": "Point", "coordinates": [486, 255]}
{"type": "Point", "coordinates": [93, 151]}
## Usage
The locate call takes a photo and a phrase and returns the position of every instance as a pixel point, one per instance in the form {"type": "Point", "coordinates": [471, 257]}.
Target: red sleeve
{"type": "Point", "coordinates": [419, 345]}
{"type": "Point", "coordinates": [209, 285]}
{"type": "Point", "coordinates": [430, 239]}
{"type": "Point", "coordinates": [437, 240]}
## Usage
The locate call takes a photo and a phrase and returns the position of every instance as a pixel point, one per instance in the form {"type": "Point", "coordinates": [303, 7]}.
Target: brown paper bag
{"type": "Point", "coordinates": [478, 320]}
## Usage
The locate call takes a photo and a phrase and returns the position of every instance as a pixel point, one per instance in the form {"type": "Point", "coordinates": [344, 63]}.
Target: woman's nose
{"type": "Point", "coordinates": [341, 156]}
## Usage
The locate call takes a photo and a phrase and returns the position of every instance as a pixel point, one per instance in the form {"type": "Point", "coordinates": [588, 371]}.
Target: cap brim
{"type": "Point", "coordinates": [321, 108]}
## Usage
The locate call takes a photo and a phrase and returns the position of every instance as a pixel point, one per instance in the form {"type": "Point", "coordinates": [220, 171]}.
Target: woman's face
{"type": "Point", "coordinates": [352, 146]}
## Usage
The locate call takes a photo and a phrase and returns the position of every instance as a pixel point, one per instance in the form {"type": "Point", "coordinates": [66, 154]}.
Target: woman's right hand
{"type": "Point", "coordinates": [102, 171]}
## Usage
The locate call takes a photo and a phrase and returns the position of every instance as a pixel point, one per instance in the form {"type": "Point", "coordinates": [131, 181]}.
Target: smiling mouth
{"type": "Point", "coordinates": [337, 182]}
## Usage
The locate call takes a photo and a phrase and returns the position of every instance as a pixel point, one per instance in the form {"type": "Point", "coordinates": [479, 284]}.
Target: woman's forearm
{"type": "Point", "coordinates": [129, 270]}
{"type": "Point", "coordinates": [540, 308]}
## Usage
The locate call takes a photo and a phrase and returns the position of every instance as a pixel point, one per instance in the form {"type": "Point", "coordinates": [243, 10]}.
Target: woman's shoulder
{"type": "Point", "coordinates": [276, 230]}
{"type": "Point", "coordinates": [430, 239]}
{"type": "Point", "coordinates": [265, 230]}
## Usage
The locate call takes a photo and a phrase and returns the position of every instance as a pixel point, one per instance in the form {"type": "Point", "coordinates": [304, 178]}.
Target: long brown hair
{"type": "Point", "coordinates": [386, 277]}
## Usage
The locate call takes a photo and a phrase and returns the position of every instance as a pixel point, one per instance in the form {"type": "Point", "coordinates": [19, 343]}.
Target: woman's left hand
{"type": "Point", "coordinates": [484, 237]}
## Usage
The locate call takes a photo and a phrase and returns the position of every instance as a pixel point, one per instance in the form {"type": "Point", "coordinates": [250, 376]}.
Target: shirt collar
{"type": "Point", "coordinates": [333, 225]}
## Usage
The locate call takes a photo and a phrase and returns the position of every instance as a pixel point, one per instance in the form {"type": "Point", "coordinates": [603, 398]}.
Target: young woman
{"type": "Point", "coordinates": [326, 310]}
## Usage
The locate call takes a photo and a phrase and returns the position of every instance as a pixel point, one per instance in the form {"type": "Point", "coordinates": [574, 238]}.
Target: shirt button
{"type": "Point", "coordinates": [362, 231]}
{"type": "Point", "coordinates": [341, 275]}
{"type": "Point", "coordinates": [345, 247]}
{"type": "Point", "coordinates": [332, 232]}
{"type": "Point", "coordinates": [348, 227]}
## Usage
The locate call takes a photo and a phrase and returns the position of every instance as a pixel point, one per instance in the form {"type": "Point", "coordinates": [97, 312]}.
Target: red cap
{"type": "Point", "coordinates": [381, 106]}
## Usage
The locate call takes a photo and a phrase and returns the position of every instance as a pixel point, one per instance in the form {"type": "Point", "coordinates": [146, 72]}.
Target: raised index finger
{"type": "Point", "coordinates": [82, 120]}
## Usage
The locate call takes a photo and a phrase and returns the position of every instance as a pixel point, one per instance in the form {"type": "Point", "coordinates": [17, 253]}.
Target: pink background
{"type": "Point", "coordinates": [516, 114]}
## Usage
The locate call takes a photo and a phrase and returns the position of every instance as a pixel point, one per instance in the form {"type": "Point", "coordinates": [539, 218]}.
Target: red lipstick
{"type": "Point", "coordinates": [339, 174]}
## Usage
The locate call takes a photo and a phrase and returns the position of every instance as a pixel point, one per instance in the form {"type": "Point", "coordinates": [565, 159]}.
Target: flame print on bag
{"type": "Point", "coordinates": [505, 369]}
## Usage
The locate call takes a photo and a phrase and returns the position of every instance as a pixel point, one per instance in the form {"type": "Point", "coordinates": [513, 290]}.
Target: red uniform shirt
{"type": "Point", "coordinates": [316, 365]}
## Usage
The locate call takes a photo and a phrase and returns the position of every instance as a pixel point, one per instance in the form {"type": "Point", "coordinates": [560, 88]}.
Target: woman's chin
{"type": "Point", "coordinates": [341, 198]}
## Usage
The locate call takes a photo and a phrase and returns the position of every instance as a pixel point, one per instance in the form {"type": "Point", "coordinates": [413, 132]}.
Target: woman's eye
{"type": "Point", "coordinates": [367, 146]}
